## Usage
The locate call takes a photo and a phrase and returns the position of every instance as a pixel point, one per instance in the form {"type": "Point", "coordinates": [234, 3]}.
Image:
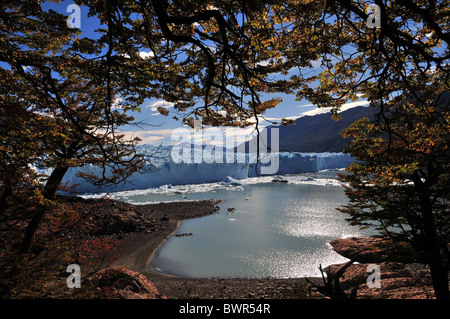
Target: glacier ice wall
{"type": "Point", "coordinates": [167, 171]}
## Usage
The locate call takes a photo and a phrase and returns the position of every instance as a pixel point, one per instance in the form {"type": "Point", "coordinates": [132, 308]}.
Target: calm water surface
{"type": "Point", "coordinates": [276, 230]}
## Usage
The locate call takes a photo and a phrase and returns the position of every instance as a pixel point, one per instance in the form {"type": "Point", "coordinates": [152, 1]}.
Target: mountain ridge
{"type": "Point", "coordinates": [318, 133]}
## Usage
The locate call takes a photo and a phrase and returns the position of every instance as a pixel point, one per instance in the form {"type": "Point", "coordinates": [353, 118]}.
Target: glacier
{"type": "Point", "coordinates": [166, 172]}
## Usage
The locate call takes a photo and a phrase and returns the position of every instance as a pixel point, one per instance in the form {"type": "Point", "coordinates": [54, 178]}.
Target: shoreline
{"type": "Point", "coordinates": [137, 257]}
{"type": "Point", "coordinates": [142, 229]}
{"type": "Point", "coordinates": [154, 269]}
{"type": "Point", "coordinates": [137, 249]}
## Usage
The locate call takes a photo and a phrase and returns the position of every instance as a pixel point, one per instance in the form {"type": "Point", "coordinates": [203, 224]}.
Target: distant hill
{"type": "Point", "coordinates": [319, 133]}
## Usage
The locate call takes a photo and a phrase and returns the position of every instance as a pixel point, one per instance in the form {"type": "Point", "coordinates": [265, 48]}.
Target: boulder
{"type": "Point", "coordinates": [398, 280]}
{"type": "Point", "coordinates": [126, 284]}
{"type": "Point", "coordinates": [360, 249]}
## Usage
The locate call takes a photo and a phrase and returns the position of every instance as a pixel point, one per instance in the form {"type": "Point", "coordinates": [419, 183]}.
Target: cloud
{"type": "Point", "coordinates": [152, 140]}
{"type": "Point", "coordinates": [264, 121]}
{"type": "Point", "coordinates": [165, 132]}
{"type": "Point", "coordinates": [344, 107]}
{"type": "Point", "coordinates": [116, 103]}
{"type": "Point", "coordinates": [150, 136]}
{"type": "Point", "coordinates": [354, 104]}
{"type": "Point", "coordinates": [145, 55]}
{"type": "Point", "coordinates": [305, 105]}
{"type": "Point", "coordinates": [161, 103]}
{"type": "Point", "coordinates": [316, 111]}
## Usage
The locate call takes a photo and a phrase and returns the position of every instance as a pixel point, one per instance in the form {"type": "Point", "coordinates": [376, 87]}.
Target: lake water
{"type": "Point", "coordinates": [274, 229]}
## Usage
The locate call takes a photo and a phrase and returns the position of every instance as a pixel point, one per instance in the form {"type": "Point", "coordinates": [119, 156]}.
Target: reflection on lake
{"type": "Point", "coordinates": [272, 229]}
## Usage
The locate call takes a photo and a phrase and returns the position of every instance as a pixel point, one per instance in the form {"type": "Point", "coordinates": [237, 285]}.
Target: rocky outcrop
{"type": "Point", "coordinates": [398, 280]}
{"type": "Point", "coordinates": [126, 284]}
{"type": "Point", "coordinates": [373, 250]}
{"type": "Point", "coordinates": [362, 249]}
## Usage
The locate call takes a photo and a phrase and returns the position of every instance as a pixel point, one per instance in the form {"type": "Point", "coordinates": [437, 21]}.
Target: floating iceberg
{"type": "Point", "coordinates": [230, 181]}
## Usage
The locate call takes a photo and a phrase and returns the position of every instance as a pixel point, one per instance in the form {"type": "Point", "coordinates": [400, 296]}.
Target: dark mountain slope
{"type": "Point", "coordinates": [319, 133]}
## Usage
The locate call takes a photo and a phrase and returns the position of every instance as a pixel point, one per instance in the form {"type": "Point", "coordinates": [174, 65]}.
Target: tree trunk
{"type": "Point", "coordinates": [439, 277]}
{"type": "Point", "coordinates": [50, 189]}
{"type": "Point", "coordinates": [7, 191]}
{"type": "Point", "coordinates": [30, 231]}
{"type": "Point", "coordinates": [54, 181]}
{"type": "Point", "coordinates": [439, 274]}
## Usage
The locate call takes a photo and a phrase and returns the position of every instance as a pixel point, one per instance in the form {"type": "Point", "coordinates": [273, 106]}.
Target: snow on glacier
{"type": "Point", "coordinates": [167, 173]}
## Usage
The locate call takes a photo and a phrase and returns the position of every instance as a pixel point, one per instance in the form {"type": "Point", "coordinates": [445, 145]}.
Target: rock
{"type": "Point", "coordinates": [400, 277]}
{"type": "Point", "coordinates": [374, 250]}
{"type": "Point", "coordinates": [397, 281]}
{"type": "Point", "coordinates": [183, 235]}
{"type": "Point", "coordinates": [279, 179]}
{"type": "Point", "coordinates": [126, 284]}
{"type": "Point", "coordinates": [119, 222]}
{"type": "Point", "coordinates": [354, 275]}
{"type": "Point", "coordinates": [362, 249]}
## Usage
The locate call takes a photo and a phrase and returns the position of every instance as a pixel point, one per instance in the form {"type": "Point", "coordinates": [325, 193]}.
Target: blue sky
{"type": "Point", "coordinates": [160, 128]}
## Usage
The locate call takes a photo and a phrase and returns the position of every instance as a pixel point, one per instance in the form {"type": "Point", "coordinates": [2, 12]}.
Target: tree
{"type": "Point", "coordinates": [214, 49]}
{"type": "Point", "coordinates": [57, 110]}
{"type": "Point", "coordinates": [63, 97]}
{"type": "Point", "coordinates": [400, 183]}
{"type": "Point", "coordinates": [212, 59]}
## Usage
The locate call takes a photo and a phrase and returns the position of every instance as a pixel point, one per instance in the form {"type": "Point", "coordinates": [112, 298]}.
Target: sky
{"type": "Point", "coordinates": [159, 129]}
